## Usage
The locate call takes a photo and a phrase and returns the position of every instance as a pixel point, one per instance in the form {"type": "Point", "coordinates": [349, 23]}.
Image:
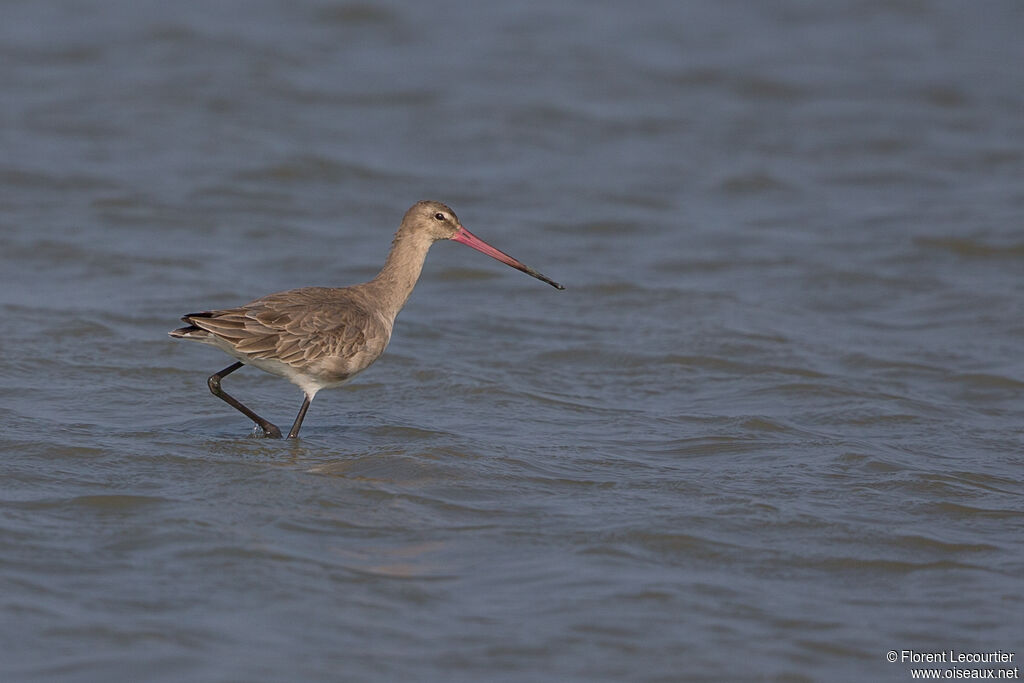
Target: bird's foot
{"type": "Point", "coordinates": [266, 431]}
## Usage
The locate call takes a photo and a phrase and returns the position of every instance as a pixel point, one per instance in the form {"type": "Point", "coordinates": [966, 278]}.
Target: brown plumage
{"type": "Point", "coordinates": [320, 337]}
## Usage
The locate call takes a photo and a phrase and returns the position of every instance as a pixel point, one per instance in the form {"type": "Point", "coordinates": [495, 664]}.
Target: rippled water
{"type": "Point", "coordinates": [771, 430]}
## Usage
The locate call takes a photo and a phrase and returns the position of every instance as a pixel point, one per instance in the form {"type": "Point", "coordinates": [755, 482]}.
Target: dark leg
{"type": "Point", "coordinates": [214, 382]}
{"type": "Point", "coordinates": [294, 433]}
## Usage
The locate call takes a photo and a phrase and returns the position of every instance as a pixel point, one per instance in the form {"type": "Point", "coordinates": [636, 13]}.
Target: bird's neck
{"type": "Point", "coordinates": [395, 281]}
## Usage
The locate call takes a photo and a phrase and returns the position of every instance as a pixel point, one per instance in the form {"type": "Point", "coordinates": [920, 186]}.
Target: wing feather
{"type": "Point", "coordinates": [302, 327]}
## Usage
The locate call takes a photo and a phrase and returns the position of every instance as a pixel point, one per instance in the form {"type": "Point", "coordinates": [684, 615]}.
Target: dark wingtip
{"type": "Point", "coordinates": [201, 314]}
{"type": "Point", "coordinates": [183, 332]}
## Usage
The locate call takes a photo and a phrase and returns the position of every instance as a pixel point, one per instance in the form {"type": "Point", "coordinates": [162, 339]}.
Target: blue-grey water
{"type": "Point", "coordinates": [772, 430]}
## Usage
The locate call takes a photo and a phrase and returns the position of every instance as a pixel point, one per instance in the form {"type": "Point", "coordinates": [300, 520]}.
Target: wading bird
{"type": "Point", "coordinates": [321, 337]}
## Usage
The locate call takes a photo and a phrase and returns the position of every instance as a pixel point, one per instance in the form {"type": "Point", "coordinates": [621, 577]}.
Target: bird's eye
{"type": "Point", "coordinates": [439, 216]}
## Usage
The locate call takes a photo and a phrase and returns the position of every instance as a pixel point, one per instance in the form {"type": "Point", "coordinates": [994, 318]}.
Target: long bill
{"type": "Point", "coordinates": [470, 240]}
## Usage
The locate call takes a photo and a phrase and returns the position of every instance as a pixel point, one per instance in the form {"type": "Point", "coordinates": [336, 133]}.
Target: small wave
{"type": "Point", "coordinates": [312, 168]}
{"type": "Point", "coordinates": [116, 502]}
{"type": "Point", "coordinates": [963, 511]}
{"type": "Point", "coordinates": [972, 248]}
{"type": "Point", "coordinates": [987, 381]}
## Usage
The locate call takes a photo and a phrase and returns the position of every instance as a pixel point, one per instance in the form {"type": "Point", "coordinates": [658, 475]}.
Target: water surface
{"type": "Point", "coordinates": [771, 430]}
